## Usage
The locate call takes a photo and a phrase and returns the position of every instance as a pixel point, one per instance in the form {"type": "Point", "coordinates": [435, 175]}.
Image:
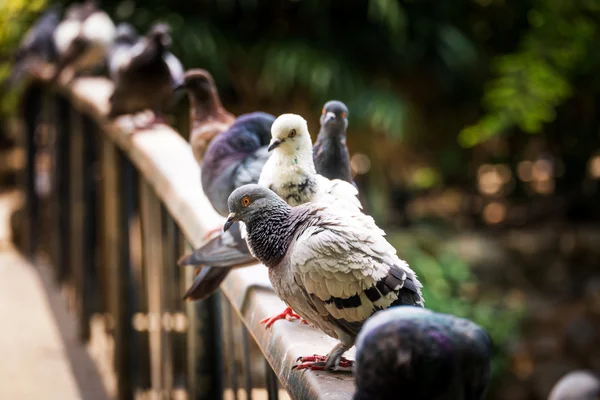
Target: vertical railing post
{"type": "Point", "coordinates": [153, 264]}
{"type": "Point", "coordinates": [61, 213]}
{"type": "Point", "coordinates": [31, 111]}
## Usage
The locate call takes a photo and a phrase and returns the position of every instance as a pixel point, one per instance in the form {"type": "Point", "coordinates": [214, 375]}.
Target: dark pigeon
{"type": "Point", "coordinates": [330, 153]}
{"type": "Point", "coordinates": [234, 158]}
{"type": "Point", "coordinates": [147, 76]}
{"type": "Point", "coordinates": [423, 355]}
{"type": "Point", "coordinates": [37, 45]}
{"type": "Point", "coordinates": [120, 50]}
{"type": "Point", "coordinates": [208, 117]}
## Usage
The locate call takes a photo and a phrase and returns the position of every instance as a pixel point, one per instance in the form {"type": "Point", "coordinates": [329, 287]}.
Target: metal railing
{"type": "Point", "coordinates": [116, 212]}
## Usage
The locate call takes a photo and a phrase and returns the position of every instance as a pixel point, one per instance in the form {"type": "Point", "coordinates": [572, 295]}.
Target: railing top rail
{"type": "Point", "coordinates": [166, 162]}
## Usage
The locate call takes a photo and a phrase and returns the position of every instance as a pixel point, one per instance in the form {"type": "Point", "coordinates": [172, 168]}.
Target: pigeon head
{"type": "Point", "coordinates": [126, 34]}
{"type": "Point", "coordinates": [81, 11]}
{"type": "Point", "coordinates": [200, 84]}
{"type": "Point", "coordinates": [160, 34]}
{"type": "Point", "coordinates": [334, 117]}
{"type": "Point", "coordinates": [290, 134]}
{"type": "Point", "coordinates": [248, 201]}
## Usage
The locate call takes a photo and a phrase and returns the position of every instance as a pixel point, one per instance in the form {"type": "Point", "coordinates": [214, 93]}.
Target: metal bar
{"type": "Point", "coordinates": [153, 259]}
{"type": "Point", "coordinates": [230, 346]}
{"type": "Point", "coordinates": [168, 305]}
{"type": "Point", "coordinates": [247, 365]}
{"type": "Point", "coordinates": [181, 322]}
{"type": "Point", "coordinates": [31, 111]}
{"type": "Point", "coordinates": [62, 143]}
{"type": "Point", "coordinates": [272, 382]}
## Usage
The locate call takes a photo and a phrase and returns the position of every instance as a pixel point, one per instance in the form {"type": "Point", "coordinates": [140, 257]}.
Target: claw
{"type": "Point", "coordinates": [287, 314]}
{"type": "Point", "coordinates": [319, 363]}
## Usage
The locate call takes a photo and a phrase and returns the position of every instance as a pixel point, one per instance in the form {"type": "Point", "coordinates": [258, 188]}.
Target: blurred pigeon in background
{"type": "Point", "coordinates": [230, 250]}
{"type": "Point", "coordinates": [82, 38]}
{"type": "Point", "coordinates": [330, 153]}
{"type": "Point", "coordinates": [120, 50]}
{"type": "Point", "coordinates": [576, 385]}
{"type": "Point", "coordinates": [423, 355]}
{"type": "Point", "coordinates": [331, 265]}
{"type": "Point", "coordinates": [37, 46]}
{"type": "Point", "coordinates": [146, 76]}
{"type": "Point", "coordinates": [208, 118]}
{"type": "Point", "coordinates": [234, 158]}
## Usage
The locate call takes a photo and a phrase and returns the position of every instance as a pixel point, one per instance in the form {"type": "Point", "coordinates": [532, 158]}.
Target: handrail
{"type": "Point", "coordinates": [166, 162]}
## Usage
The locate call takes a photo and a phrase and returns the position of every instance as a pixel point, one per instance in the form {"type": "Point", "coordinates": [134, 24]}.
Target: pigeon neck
{"type": "Point", "coordinates": [295, 156]}
{"type": "Point", "coordinates": [203, 106]}
{"type": "Point", "coordinates": [270, 232]}
{"type": "Point", "coordinates": [331, 131]}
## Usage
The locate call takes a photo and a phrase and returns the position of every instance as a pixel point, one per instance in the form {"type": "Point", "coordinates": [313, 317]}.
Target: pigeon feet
{"type": "Point", "coordinates": [287, 314]}
{"type": "Point", "coordinates": [319, 363]}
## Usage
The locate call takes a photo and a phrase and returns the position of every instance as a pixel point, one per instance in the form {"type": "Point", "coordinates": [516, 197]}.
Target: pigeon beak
{"type": "Point", "coordinates": [329, 117]}
{"type": "Point", "coordinates": [230, 221]}
{"type": "Point", "coordinates": [275, 143]}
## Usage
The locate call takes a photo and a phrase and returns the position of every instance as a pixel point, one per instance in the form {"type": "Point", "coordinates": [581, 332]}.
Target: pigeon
{"type": "Point", "coordinates": [230, 250]}
{"type": "Point", "coordinates": [82, 38]}
{"type": "Point", "coordinates": [330, 265]}
{"type": "Point", "coordinates": [146, 76]}
{"type": "Point", "coordinates": [422, 354]}
{"type": "Point", "coordinates": [207, 115]}
{"type": "Point", "coordinates": [330, 153]}
{"type": "Point", "coordinates": [37, 45]}
{"type": "Point", "coordinates": [576, 385]}
{"type": "Point", "coordinates": [234, 158]}
{"type": "Point", "coordinates": [119, 53]}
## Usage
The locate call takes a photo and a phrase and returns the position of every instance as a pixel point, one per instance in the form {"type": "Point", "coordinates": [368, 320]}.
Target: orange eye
{"type": "Point", "coordinates": [344, 115]}
{"type": "Point", "coordinates": [245, 202]}
{"type": "Point", "coordinates": [323, 110]}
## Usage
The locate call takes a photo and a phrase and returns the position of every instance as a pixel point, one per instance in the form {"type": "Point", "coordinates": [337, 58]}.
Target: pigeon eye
{"type": "Point", "coordinates": [344, 115]}
{"type": "Point", "coordinates": [292, 133]}
{"type": "Point", "coordinates": [245, 201]}
{"type": "Point", "coordinates": [323, 110]}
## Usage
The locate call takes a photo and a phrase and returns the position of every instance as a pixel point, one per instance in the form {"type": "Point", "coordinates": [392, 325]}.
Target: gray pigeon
{"type": "Point", "coordinates": [82, 38]}
{"type": "Point", "coordinates": [37, 45]}
{"type": "Point", "coordinates": [146, 76]}
{"type": "Point", "coordinates": [576, 385]}
{"type": "Point", "coordinates": [330, 265]}
{"type": "Point", "coordinates": [207, 116]}
{"type": "Point", "coordinates": [220, 171]}
{"type": "Point", "coordinates": [330, 153]}
{"type": "Point", "coordinates": [422, 354]}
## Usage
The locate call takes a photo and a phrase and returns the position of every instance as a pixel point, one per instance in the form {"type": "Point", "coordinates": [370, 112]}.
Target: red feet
{"type": "Point", "coordinates": [287, 314]}
{"type": "Point", "coordinates": [319, 363]}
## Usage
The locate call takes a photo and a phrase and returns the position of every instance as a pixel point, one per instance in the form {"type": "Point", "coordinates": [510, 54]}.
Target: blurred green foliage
{"type": "Point", "coordinates": [451, 287]}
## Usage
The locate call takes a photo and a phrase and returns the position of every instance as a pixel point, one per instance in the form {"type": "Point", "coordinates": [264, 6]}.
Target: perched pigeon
{"type": "Point", "coordinates": [37, 45]}
{"type": "Point", "coordinates": [576, 385]}
{"type": "Point", "coordinates": [330, 265]}
{"type": "Point", "coordinates": [83, 37]}
{"type": "Point", "coordinates": [146, 76]}
{"type": "Point", "coordinates": [230, 250]}
{"type": "Point", "coordinates": [330, 153]}
{"type": "Point", "coordinates": [422, 354]}
{"type": "Point", "coordinates": [120, 50]}
{"type": "Point", "coordinates": [234, 158]}
{"type": "Point", "coordinates": [207, 116]}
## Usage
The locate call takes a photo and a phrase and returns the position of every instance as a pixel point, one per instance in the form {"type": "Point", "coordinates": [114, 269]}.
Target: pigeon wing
{"type": "Point", "coordinates": [348, 269]}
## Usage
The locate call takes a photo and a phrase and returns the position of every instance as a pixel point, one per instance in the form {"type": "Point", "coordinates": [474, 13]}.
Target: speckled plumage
{"type": "Point", "coordinates": [333, 267]}
{"type": "Point", "coordinates": [423, 355]}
